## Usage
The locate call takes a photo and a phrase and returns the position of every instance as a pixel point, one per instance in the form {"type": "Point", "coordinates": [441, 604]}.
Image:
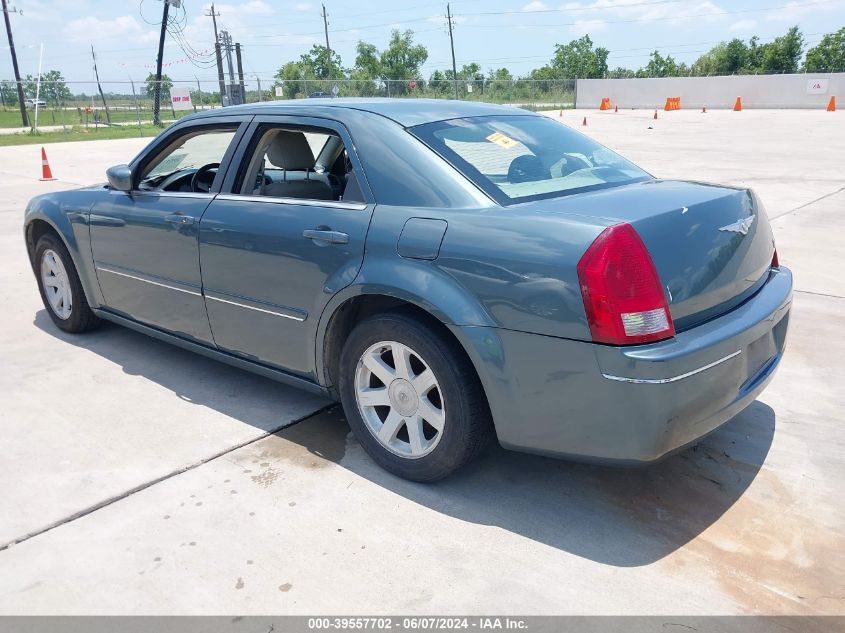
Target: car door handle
{"type": "Point", "coordinates": [329, 237]}
{"type": "Point", "coordinates": [178, 218]}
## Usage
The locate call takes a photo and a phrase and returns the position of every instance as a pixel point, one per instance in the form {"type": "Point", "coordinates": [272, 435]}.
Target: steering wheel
{"type": "Point", "coordinates": [204, 177]}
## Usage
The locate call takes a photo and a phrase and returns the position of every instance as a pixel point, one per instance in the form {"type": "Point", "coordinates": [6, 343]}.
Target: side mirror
{"type": "Point", "coordinates": [120, 177]}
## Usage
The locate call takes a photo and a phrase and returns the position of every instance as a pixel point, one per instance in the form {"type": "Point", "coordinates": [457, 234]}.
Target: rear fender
{"type": "Point", "coordinates": [404, 279]}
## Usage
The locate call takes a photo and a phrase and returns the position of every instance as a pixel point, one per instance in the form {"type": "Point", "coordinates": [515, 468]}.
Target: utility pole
{"type": "Point", "coordinates": [137, 108]}
{"type": "Point", "coordinates": [325, 17]}
{"type": "Point", "coordinates": [199, 93]}
{"type": "Point", "coordinates": [240, 72]}
{"type": "Point", "coordinates": [226, 43]}
{"type": "Point", "coordinates": [211, 14]}
{"type": "Point", "coordinates": [157, 92]}
{"type": "Point", "coordinates": [452, 42]}
{"type": "Point", "coordinates": [99, 87]}
{"type": "Point", "coordinates": [21, 102]}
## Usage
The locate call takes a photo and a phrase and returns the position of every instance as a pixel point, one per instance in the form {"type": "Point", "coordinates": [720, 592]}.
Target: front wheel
{"type": "Point", "coordinates": [61, 290]}
{"type": "Point", "coordinates": [414, 402]}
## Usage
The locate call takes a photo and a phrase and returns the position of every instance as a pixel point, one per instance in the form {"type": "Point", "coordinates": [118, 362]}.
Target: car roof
{"type": "Point", "coordinates": [406, 112]}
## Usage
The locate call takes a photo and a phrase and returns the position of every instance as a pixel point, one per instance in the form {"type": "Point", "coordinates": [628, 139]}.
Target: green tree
{"type": "Point", "coordinates": [621, 73]}
{"type": "Point", "coordinates": [578, 60]}
{"type": "Point", "coordinates": [399, 63]}
{"type": "Point", "coordinates": [726, 58]}
{"type": "Point", "coordinates": [784, 54]}
{"type": "Point", "coordinates": [500, 74]}
{"type": "Point", "coordinates": [659, 66]}
{"type": "Point", "coordinates": [150, 85]}
{"type": "Point", "coordinates": [402, 58]}
{"type": "Point", "coordinates": [290, 77]}
{"type": "Point", "coordinates": [8, 94]}
{"type": "Point", "coordinates": [828, 56]}
{"type": "Point", "coordinates": [54, 90]}
{"type": "Point", "coordinates": [317, 64]}
{"type": "Point", "coordinates": [367, 61]}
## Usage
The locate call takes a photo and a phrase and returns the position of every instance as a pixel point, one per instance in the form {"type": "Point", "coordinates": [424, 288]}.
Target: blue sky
{"type": "Point", "coordinates": [518, 34]}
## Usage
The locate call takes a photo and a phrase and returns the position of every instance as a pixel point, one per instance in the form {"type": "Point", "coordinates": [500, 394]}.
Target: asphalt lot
{"type": "Point", "coordinates": [211, 508]}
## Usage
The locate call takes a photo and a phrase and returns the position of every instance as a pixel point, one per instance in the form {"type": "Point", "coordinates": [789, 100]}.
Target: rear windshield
{"type": "Point", "coordinates": [522, 158]}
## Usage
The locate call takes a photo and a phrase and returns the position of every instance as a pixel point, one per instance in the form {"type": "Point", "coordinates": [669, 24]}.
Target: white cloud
{"type": "Point", "coordinates": [743, 25]}
{"type": "Point", "coordinates": [535, 5]}
{"type": "Point", "coordinates": [672, 13]}
{"type": "Point", "coordinates": [123, 27]}
{"type": "Point", "coordinates": [256, 7]}
{"type": "Point", "coordinates": [794, 11]}
{"type": "Point", "coordinates": [302, 7]}
{"type": "Point", "coordinates": [584, 27]}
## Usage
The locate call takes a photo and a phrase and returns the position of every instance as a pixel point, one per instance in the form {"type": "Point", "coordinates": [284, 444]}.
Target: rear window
{"type": "Point", "coordinates": [522, 158]}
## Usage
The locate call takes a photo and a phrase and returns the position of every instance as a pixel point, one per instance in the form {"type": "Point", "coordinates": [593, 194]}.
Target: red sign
{"type": "Point", "coordinates": [412, 84]}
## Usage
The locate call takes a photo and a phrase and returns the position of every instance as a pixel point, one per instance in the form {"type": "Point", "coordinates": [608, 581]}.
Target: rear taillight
{"type": "Point", "coordinates": [775, 262]}
{"type": "Point", "coordinates": [623, 296]}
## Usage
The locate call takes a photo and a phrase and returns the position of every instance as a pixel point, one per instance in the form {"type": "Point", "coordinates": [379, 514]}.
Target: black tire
{"type": "Point", "coordinates": [467, 427]}
{"type": "Point", "coordinates": [81, 318]}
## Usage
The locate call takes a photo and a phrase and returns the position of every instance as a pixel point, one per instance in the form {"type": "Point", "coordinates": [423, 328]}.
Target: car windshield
{"type": "Point", "coordinates": [522, 158]}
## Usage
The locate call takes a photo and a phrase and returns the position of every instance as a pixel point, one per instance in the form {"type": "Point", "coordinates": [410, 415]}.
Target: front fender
{"type": "Point", "coordinates": [66, 213]}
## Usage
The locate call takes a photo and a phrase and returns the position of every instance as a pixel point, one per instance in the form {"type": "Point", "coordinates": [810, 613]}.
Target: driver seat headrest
{"type": "Point", "coordinates": [527, 168]}
{"type": "Point", "coordinates": [290, 151]}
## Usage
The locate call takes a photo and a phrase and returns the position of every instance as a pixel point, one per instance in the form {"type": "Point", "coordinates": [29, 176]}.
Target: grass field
{"type": "Point", "coordinates": [10, 118]}
{"type": "Point", "coordinates": [80, 133]}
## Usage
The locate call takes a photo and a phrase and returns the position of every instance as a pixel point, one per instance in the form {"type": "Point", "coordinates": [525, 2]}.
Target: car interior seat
{"type": "Point", "coordinates": [290, 152]}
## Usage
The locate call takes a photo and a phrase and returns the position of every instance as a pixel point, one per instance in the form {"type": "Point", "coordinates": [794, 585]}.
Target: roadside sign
{"type": "Point", "coordinates": [335, 90]}
{"type": "Point", "coordinates": [180, 98]}
{"type": "Point", "coordinates": [817, 86]}
{"type": "Point", "coordinates": [412, 84]}
{"type": "Point", "coordinates": [280, 91]}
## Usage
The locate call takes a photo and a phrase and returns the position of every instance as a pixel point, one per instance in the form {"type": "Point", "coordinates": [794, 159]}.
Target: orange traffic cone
{"type": "Point", "coordinates": [585, 122]}
{"type": "Point", "coordinates": [561, 114]}
{"type": "Point", "coordinates": [704, 110]}
{"type": "Point", "coordinates": [616, 108]}
{"type": "Point", "coordinates": [831, 105]}
{"type": "Point", "coordinates": [738, 105]}
{"type": "Point", "coordinates": [655, 115]}
{"type": "Point", "coordinates": [46, 173]}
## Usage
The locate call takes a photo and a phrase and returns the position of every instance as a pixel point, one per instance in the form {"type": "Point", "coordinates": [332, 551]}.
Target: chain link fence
{"type": "Point", "coordinates": [79, 110]}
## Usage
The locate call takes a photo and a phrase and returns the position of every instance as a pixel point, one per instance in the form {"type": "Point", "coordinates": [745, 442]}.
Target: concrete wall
{"type": "Point", "coordinates": [757, 91]}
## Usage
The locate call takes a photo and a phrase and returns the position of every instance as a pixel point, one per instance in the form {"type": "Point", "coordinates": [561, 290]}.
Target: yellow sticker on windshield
{"type": "Point", "coordinates": [500, 139]}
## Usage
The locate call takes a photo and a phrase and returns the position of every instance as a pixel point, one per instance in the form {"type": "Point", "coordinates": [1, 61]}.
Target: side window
{"type": "Point", "coordinates": [189, 163]}
{"type": "Point", "coordinates": [307, 164]}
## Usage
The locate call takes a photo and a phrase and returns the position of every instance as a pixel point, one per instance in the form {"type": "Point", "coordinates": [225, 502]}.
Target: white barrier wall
{"type": "Point", "coordinates": [757, 91]}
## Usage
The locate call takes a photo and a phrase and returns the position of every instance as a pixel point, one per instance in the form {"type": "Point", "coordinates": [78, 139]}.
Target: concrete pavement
{"type": "Point", "coordinates": [207, 513]}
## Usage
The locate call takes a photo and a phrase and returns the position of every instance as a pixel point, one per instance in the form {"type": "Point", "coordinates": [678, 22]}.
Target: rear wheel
{"type": "Point", "coordinates": [61, 290]}
{"type": "Point", "coordinates": [413, 402]}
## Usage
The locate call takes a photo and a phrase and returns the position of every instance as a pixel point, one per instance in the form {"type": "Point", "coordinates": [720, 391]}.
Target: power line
{"type": "Point", "coordinates": [570, 9]}
{"type": "Point", "coordinates": [661, 19]}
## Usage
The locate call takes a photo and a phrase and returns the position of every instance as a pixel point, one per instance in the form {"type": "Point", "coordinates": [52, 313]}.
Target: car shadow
{"type": "Point", "coordinates": [260, 402]}
{"type": "Point", "coordinates": [624, 517]}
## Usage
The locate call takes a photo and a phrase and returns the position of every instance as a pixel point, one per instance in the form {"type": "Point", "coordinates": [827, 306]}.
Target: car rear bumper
{"type": "Point", "coordinates": [635, 404]}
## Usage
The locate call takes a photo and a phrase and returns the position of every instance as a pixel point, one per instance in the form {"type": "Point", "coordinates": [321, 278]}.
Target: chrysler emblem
{"type": "Point", "coordinates": [741, 226]}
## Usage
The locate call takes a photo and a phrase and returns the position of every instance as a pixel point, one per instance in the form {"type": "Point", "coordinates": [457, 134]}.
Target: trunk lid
{"type": "Point", "coordinates": [712, 245]}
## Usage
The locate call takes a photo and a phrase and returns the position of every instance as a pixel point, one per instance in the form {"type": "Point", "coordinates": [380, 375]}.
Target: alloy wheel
{"type": "Point", "coordinates": [399, 399]}
{"type": "Point", "coordinates": [56, 284]}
